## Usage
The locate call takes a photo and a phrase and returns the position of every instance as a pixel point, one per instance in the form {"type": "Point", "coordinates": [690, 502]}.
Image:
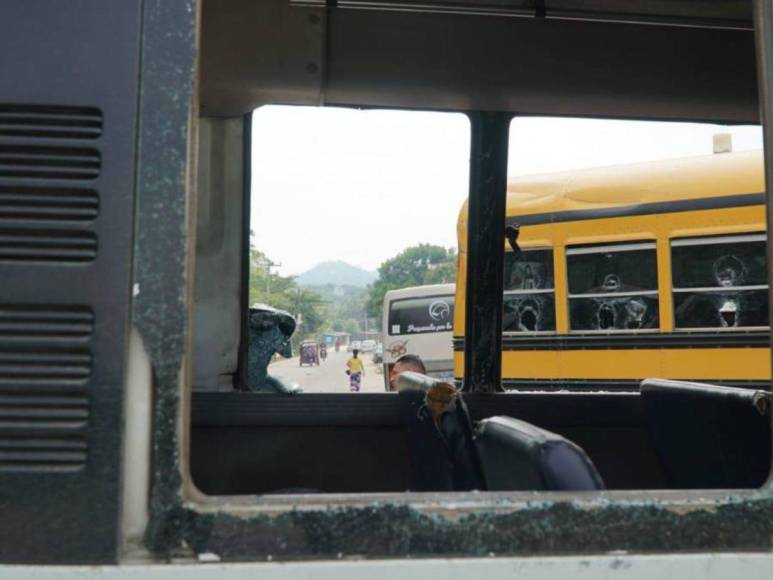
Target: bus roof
{"type": "Point", "coordinates": [633, 184]}
{"type": "Point", "coordinates": [426, 290]}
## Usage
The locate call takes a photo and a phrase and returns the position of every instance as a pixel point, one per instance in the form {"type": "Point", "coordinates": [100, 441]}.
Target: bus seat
{"type": "Point", "coordinates": [709, 436]}
{"type": "Point", "coordinates": [442, 454]}
{"type": "Point", "coordinates": [516, 456]}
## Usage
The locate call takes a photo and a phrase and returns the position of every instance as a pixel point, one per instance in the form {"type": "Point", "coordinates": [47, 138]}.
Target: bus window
{"type": "Point", "coordinates": [720, 282]}
{"type": "Point", "coordinates": [347, 205]}
{"type": "Point", "coordinates": [613, 288]}
{"type": "Point", "coordinates": [529, 301]}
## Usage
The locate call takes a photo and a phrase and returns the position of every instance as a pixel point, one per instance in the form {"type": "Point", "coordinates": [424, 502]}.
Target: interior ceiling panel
{"type": "Point", "coordinates": [271, 51]}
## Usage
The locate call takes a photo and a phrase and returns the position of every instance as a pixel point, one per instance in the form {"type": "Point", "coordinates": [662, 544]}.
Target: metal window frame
{"type": "Point", "coordinates": [184, 522]}
{"type": "Point", "coordinates": [603, 249]}
{"type": "Point", "coordinates": [718, 239]}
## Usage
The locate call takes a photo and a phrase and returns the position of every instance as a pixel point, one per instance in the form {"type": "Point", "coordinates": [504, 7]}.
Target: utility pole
{"type": "Point", "coordinates": [269, 265]}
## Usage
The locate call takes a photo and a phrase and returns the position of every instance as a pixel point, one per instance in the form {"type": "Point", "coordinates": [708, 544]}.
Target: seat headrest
{"type": "Point", "coordinates": [758, 399]}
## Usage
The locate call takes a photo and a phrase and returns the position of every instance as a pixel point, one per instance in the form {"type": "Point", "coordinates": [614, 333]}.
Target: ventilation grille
{"type": "Point", "coordinates": [45, 322]}
{"type": "Point", "coordinates": [26, 413]}
{"type": "Point", "coordinates": [63, 454]}
{"type": "Point", "coordinates": [41, 431]}
{"type": "Point", "coordinates": [50, 122]}
{"type": "Point", "coordinates": [49, 159]}
{"type": "Point", "coordinates": [40, 203]}
{"type": "Point", "coordinates": [38, 162]}
{"type": "Point", "coordinates": [26, 367]}
{"type": "Point", "coordinates": [45, 366]}
{"type": "Point", "coordinates": [35, 245]}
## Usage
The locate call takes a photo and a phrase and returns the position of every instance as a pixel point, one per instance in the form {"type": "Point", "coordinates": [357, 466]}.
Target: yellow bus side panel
{"type": "Point", "coordinates": [697, 363]}
{"type": "Point", "coordinates": [530, 364]}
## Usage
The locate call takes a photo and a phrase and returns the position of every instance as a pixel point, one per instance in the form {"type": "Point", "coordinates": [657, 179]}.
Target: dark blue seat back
{"type": "Point", "coordinates": [516, 455]}
{"type": "Point", "coordinates": [709, 436]}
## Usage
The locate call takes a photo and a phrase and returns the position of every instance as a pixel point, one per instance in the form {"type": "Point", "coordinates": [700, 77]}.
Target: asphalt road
{"type": "Point", "coordinates": [330, 375]}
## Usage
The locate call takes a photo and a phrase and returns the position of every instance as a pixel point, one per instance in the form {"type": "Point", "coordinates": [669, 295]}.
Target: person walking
{"type": "Point", "coordinates": [355, 369]}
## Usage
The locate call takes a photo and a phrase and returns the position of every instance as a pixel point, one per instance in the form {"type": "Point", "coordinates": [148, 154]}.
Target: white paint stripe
{"type": "Point", "coordinates": [748, 566]}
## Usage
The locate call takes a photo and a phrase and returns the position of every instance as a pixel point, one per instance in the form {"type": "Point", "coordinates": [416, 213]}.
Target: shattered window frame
{"type": "Point", "coordinates": [709, 290]}
{"type": "Point", "coordinates": [532, 291]}
{"type": "Point", "coordinates": [612, 247]}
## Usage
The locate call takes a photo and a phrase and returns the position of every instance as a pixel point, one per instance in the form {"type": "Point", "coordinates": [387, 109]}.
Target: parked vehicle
{"type": "Point", "coordinates": [418, 320]}
{"type": "Point", "coordinates": [368, 345]}
{"type": "Point", "coordinates": [664, 276]}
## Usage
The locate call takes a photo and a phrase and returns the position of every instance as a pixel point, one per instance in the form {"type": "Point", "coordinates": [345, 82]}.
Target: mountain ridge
{"type": "Point", "coordinates": [336, 272]}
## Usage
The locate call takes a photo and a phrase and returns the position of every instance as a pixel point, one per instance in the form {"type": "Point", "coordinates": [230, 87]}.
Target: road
{"type": "Point", "coordinates": [330, 375]}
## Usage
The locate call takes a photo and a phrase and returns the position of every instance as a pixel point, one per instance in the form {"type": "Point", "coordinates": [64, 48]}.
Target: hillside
{"type": "Point", "coordinates": [337, 273]}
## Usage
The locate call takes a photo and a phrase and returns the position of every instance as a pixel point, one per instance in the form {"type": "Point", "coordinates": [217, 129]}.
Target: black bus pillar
{"type": "Point", "coordinates": [485, 251]}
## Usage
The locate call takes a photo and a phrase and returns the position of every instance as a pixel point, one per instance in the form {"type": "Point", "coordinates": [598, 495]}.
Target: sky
{"type": "Point", "coordinates": [361, 186]}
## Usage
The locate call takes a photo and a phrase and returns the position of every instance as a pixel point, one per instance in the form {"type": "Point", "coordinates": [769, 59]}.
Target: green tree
{"type": "Point", "coordinates": [414, 266]}
{"type": "Point", "coordinates": [444, 273]}
{"type": "Point", "coordinates": [310, 311]}
{"type": "Point", "coordinates": [343, 302]}
{"type": "Point", "coordinates": [350, 325]}
{"type": "Point", "coordinates": [268, 287]}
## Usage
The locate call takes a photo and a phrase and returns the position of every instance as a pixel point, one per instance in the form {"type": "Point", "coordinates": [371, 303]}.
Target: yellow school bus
{"type": "Point", "coordinates": [648, 270]}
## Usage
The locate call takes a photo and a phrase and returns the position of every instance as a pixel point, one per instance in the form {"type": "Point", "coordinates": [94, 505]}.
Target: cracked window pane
{"type": "Point", "coordinates": [614, 313]}
{"type": "Point", "coordinates": [610, 272]}
{"type": "Point", "coordinates": [721, 309]}
{"type": "Point", "coordinates": [529, 270]}
{"type": "Point", "coordinates": [529, 313]}
{"type": "Point", "coordinates": [719, 265]}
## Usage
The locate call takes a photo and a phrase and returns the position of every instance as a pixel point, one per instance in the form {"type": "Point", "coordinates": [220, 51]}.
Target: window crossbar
{"type": "Point", "coordinates": [535, 291]}
{"type": "Point", "coordinates": [615, 294]}
{"type": "Point", "coordinates": [722, 289]}
{"type": "Point", "coordinates": [715, 240]}
{"type": "Point", "coordinates": [610, 248]}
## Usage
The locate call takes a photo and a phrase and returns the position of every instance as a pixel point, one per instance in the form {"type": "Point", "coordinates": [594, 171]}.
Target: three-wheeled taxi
{"type": "Point", "coordinates": [309, 353]}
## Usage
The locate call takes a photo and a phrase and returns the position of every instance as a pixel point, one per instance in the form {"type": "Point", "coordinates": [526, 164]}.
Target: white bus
{"type": "Point", "coordinates": [419, 320]}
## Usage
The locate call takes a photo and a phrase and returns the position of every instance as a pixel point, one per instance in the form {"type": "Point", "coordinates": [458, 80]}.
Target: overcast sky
{"type": "Point", "coordinates": [361, 186]}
